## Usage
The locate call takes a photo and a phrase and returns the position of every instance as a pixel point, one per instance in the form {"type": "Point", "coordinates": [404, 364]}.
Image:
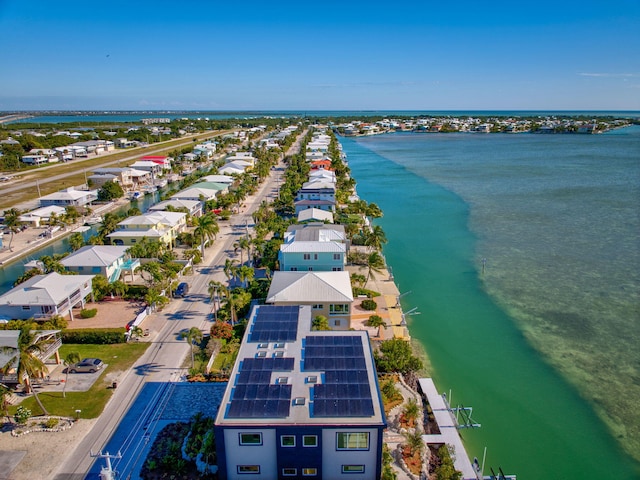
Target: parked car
{"type": "Point", "coordinates": [182, 290]}
{"type": "Point", "coordinates": [86, 365]}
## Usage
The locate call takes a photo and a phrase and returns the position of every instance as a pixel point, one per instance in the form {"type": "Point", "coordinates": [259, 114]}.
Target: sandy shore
{"type": "Point", "coordinates": [43, 450]}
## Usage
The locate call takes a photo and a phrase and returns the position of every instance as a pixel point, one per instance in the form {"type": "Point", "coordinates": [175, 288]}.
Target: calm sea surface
{"type": "Point", "coordinates": [543, 343]}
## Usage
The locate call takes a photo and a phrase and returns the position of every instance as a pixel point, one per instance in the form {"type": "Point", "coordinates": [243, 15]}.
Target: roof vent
{"type": "Point", "coordinates": [299, 401]}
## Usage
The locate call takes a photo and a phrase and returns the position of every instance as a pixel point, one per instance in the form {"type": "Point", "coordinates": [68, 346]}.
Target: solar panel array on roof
{"type": "Point", "coordinates": [275, 324]}
{"type": "Point", "coordinates": [254, 396]}
{"type": "Point", "coordinates": [346, 391]}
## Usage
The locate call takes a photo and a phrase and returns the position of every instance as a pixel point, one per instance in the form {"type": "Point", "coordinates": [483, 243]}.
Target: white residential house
{"type": "Point", "coordinates": [110, 261]}
{"type": "Point", "coordinates": [69, 197]}
{"type": "Point", "coordinates": [158, 225]}
{"type": "Point", "coordinates": [328, 293]}
{"type": "Point", "coordinates": [41, 215]}
{"type": "Point", "coordinates": [196, 194]}
{"type": "Point", "coordinates": [43, 296]}
{"type": "Point", "coordinates": [315, 215]}
{"type": "Point", "coordinates": [193, 207]}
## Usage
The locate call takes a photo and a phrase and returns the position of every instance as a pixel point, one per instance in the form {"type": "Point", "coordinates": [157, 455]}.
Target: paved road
{"type": "Point", "coordinates": [162, 361]}
{"type": "Point", "coordinates": [25, 182]}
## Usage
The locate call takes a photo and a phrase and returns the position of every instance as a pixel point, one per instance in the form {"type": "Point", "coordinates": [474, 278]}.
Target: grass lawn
{"type": "Point", "coordinates": [120, 357]}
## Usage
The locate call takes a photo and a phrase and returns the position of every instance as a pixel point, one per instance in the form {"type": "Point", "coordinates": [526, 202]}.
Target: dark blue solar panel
{"type": "Point", "coordinates": [275, 324]}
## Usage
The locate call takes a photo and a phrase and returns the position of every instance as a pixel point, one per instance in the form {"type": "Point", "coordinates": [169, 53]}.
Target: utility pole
{"type": "Point", "coordinates": [107, 473]}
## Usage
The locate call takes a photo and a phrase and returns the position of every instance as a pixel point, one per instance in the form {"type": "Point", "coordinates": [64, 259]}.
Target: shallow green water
{"type": "Point", "coordinates": [534, 423]}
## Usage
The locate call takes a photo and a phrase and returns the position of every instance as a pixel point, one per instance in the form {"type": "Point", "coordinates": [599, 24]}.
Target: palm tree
{"type": "Point", "coordinates": [70, 359]}
{"type": "Point", "coordinates": [53, 264]}
{"type": "Point", "coordinates": [230, 269]}
{"type": "Point", "coordinates": [136, 332]}
{"type": "Point", "coordinates": [5, 393]}
{"type": "Point", "coordinates": [375, 264]}
{"type": "Point", "coordinates": [242, 244]}
{"type": "Point", "coordinates": [26, 362]}
{"type": "Point", "coordinates": [411, 411]}
{"type": "Point", "coordinates": [76, 241]}
{"type": "Point", "coordinates": [246, 275]}
{"type": "Point", "coordinates": [206, 229]}
{"type": "Point", "coordinates": [375, 238]}
{"type": "Point", "coordinates": [109, 224]}
{"type": "Point", "coordinates": [12, 221]}
{"type": "Point", "coordinates": [193, 336]}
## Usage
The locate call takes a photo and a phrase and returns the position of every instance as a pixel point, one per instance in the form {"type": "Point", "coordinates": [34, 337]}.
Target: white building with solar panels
{"type": "Point", "coordinates": [300, 403]}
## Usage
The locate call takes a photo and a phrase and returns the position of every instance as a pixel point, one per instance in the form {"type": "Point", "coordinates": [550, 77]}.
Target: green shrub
{"type": "Point", "coordinates": [363, 291]}
{"type": "Point", "coordinates": [369, 304]}
{"type": "Point", "coordinates": [88, 313]}
{"type": "Point", "coordinates": [96, 336]}
{"type": "Point", "coordinates": [136, 292]}
{"type": "Point", "coordinates": [22, 415]}
{"type": "Point", "coordinates": [51, 422]}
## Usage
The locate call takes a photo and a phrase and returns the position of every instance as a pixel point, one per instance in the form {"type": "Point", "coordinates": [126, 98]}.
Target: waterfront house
{"type": "Point", "coordinates": [196, 193]}
{"type": "Point", "coordinates": [50, 339]}
{"type": "Point", "coordinates": [192, 207]}
{"type": "Point", "coordinates": [300, 403]}
{"type": "Point", "coordinates": [69, 197]}
{"type": "Point", "coordinates": [43, 296]}
{"type": "Point", "coordinates": [313, 247]}
{"type": "Point", "coordinates": [159, 225]}
{"type": "Point", "coordinates": [231, 169]}
{"type": "Point", "coordinates": [153, 168]}
{"type": "Point", "coordinates": [315, 215]}
{"type": "Point", "coordinates": [124, 176]}
{"type": "Point", "coordinates": [218, 179]}
{"type": "Point", "coordinates": [317, 193]}
{"type": "Point", "coordinates": [328, 293]}
{"type": "Point", "coordinates": [109, 261]}
{"type": "Point", "coordinates": [41, 215]}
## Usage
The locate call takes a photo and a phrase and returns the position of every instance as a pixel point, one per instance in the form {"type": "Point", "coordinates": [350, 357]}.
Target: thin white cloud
{"type": "Point", "coordinates": [610, 75]}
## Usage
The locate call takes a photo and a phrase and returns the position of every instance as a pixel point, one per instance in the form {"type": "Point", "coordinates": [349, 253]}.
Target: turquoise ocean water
{"type": "Point", "coordinates": [543, 343]}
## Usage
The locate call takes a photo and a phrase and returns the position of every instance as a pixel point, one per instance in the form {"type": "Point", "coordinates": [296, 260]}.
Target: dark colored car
{"type": "Point", "coordinates": [87, 365]}
{"type": "Point", "coordinates": [182, 290]}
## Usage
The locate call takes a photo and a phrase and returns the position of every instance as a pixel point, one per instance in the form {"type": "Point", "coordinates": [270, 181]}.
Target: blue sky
{"type": "Point", "coordinates": [329, 55]}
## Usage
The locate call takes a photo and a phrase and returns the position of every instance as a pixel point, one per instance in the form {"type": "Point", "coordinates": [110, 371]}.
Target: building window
{"type": "Point", "coordinates": [250, 439]}
{"type": "Point", "coordinates": [294, 269]}
{"type": "Point", "coordinates": [289, 472]}
{"type": "Point", "coordinates": [338, 309]}
{"type": "Point", "coordinates": [317, 306]}
{"type": "Point", "coordinates": [352, 468]}
{"type": "Point", "coordinates": [315, 256]}
{"type": "Point", "coordinates": [306, 256]}
{"type": "Point", "coordinates": [309, 472]}
{"type": "Point", "coordinates": [311, 269]}
{"type": "Point", "coordinates": [248, 469]}
{"type": "Point", "coordinates": [353, 441]}
{"type": "Point", "coordinates": [26, 307]}
{"type": "Point", "coordinates": [287, 440]}
{"type": "Point", "coordinates": [309, 440]}
{"type": "Point", "coordinates": [337, 256]}
{"type": "Point", "coordinates": [336, 269]}
{"type": "Point", "coordinates": [337, 323]}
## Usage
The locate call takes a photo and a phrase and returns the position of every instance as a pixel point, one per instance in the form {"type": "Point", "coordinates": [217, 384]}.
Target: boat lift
{"type": "Point", "coordinates": [107, 473]}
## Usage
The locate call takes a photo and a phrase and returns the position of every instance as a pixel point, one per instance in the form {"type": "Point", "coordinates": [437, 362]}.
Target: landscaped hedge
{"type": "Point", "coordinates": [95, 336]}
{"type": "Point", "coordinates": [136, 292]}
{"type": "Point", "coordinates": [369, 304]}
{"type": "Point", "coordinates": [88, 313]}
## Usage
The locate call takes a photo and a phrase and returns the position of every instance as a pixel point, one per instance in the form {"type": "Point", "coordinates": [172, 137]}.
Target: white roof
{"type": "Point", "coordinates": [315, 232]}
{"type": "Point", "coordinates": [95, 256]}
{"type": "Point", "coordinates": [195, 193]}
{"type": "Point", "coordinates": [318, 184]}
{"type": "Point", "coordinates": [313, 247]}
{"type": "Point", "coordinates": [310, 287]}
{"type": "Point", "coordinates": [314, 214]}
{"type": "Point", "coordinates": [151, 233]}
{"type": "Point", "coordinates": [145, 163]}
{"type": "Point", "coordinates": [69, 194]}
{"type": "Point", "coordinates": [218, 178]}
{"type": "Point", "coordinates": [169, 218]}
{"type": "Point", "coordinates": [177, 203]}
{"type": "Point", "coordinates": [45, 212]}
{"type": "Point", "coordinates": [48, 289]}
